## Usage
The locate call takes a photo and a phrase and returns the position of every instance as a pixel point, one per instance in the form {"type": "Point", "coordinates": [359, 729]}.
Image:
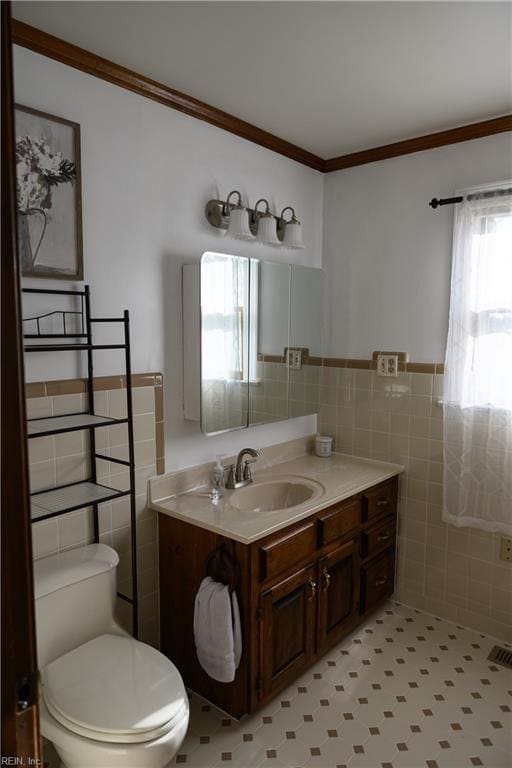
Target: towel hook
{"type": "Point", "coordinates": [222, 566]}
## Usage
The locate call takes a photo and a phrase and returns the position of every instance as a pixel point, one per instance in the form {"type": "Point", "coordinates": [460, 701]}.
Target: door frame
{"type": "Point", "coordinates": [20, 713]}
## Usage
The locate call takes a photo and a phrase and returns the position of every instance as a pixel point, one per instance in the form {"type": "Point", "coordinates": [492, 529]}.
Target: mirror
{"type": "Point", "coordinates": [307, 332]}
{"type": "Point", "coordinates": [261, 340]}
{"type": "Point", "coordinates": [268, 392]}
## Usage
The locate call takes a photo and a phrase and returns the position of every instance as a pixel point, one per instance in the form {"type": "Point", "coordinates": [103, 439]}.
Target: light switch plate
{"type": "Point", "coordinates": [387, 365]}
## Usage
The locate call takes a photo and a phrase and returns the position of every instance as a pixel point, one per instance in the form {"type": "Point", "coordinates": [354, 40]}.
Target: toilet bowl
{"type": "Point", "coordinates": [106, 699]}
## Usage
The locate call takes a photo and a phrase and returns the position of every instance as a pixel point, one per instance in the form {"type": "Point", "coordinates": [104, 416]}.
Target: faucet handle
{"type": "Point", "coordinates": [230, 482]}
{"type": "Point", "coordinates": [247, 469]}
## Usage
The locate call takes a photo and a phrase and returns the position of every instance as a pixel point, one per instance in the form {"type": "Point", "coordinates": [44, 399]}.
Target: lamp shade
{"type": "Point", "coordinates": [293, 234]}
{"type": "Point", "coordinates": [239, 224]}
{"type": "Point", "coordinates": [267, 230]}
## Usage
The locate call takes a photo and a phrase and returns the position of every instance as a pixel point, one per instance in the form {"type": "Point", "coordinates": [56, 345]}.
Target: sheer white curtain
{"type": "Point", "coordinates": [477, 398]}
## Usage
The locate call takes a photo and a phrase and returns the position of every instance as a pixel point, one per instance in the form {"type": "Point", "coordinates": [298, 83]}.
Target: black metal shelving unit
{"type": "Point", "coordinates": [88, 493]}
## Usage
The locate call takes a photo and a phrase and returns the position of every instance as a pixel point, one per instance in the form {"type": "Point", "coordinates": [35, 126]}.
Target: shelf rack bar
{"type": "Point", "coordinates": [70, 347]}
{"type": "Point", "coordinates": [109, 458]}
{"type": "Point", "coordinates": [81, 424]}
{"type": "Point", "coordinates": [107, 319]}
{"type": "Point", "coordinates": [125, 598]}
{"type": "Point", "coordinates": [90, 402]}
{"type": "Point", "coordinates": [55, 292]}
{"type": "Point", "coordinates": [131, 452]}
{"type": "Point", "coordinates": [54, 336]}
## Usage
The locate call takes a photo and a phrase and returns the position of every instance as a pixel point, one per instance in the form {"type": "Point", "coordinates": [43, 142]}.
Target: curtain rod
{"type": "Point", "coordinates": [436, 202]}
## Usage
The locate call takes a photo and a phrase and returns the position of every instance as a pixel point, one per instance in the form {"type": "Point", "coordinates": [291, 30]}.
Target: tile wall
{"type": "Point", "coordinates": [61, 459]}
{"type": "Point", "coordinates": [452, 572]}
{"type": "Point", "coordinates": [278, 393]}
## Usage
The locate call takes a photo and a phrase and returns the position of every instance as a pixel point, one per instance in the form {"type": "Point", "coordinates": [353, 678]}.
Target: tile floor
{"type": "Point", "coordinates": [405, 690]}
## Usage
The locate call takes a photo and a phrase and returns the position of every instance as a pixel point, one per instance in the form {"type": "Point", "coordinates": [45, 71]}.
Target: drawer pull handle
{"type": "Point", "coordinates": [381, 581]}
{"type": "Point", "coordinates": [312, 588]}
{"type": "Point", "coordinates": [383, 537]}
{"type": "Point", "coordinates": [383, 502]}
{"type": "Point", "coordinates": [327, 579]}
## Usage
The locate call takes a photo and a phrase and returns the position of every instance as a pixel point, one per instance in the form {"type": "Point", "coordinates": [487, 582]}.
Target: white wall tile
{"type": "Point", "coordinates": [45, 539]}
{"type": "Point", "coordinates": [400, 420]}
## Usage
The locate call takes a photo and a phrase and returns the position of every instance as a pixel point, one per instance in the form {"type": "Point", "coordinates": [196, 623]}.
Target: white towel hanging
{"type": "Point", "coordinates": [217, 630]}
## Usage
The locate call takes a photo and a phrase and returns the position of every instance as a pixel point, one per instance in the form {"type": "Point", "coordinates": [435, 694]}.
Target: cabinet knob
{"type": "Point", "coordinates": [383, 536]}
{"type": "Point", "coordinates": [312, 588]}
{"type": "Point", "coordinates": [382, 502]}
{"type": "Point", "coordinates": [327, 579]}
{"type": "Point", "coordinates": [381, 581]}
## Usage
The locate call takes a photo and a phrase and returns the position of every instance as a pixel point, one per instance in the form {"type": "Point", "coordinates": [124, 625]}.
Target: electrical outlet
{"type": "Point", "coordinates": [506, 549]}
{"type": "Point", "coordinates": [295, 359]}
{"type": "Point", "coordinates": [387, 365]}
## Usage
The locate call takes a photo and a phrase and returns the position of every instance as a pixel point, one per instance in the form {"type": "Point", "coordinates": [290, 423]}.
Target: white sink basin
{"type": "Point", "coordinates": [273, 494]}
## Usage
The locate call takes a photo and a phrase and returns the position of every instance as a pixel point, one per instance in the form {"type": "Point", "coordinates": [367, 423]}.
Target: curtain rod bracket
{"type": "Point", "coordinates": [436, 202]}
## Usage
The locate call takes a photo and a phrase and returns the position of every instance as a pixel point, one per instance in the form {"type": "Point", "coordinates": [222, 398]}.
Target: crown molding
{"type": "Point", "coordinates": [67, 53]}
{"type": "Point", "coordinates": [421, 143]}
{"type": "Point", "coordinates": [55, 48]}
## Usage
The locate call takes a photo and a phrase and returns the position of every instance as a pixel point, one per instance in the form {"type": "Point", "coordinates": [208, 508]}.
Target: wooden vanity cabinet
{"type": "Point", "coordinates": [302, 589]}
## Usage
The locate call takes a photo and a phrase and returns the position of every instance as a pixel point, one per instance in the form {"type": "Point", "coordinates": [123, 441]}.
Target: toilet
{"type": "Point", "coordinates": [106, 700]}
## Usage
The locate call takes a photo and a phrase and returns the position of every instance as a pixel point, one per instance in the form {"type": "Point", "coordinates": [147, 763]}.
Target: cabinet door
{"type": "Point", "coordinates": [338, 600]}
{"type": "Point", "coordinates": [287, 630]}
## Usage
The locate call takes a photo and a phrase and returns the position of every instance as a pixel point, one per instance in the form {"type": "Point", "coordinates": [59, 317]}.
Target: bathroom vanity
{"type": "Point", "coordinates": [308, 575]}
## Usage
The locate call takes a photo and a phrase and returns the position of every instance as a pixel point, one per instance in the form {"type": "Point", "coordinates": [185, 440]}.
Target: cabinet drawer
{"type": "Point", "coordinates": [374, 540]}
{"type": "Point", "coordinates": [377, 579]}
{"type": "Point", "coordinates": [339, 521]}
{"type": "Point", "coordinates": [380, 501]}
{"type": "Point", "coordinates": [283, 552]}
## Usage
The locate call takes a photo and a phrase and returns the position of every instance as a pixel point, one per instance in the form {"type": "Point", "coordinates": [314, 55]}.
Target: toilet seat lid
{"type": "Point", "coordinates": [115, 687]}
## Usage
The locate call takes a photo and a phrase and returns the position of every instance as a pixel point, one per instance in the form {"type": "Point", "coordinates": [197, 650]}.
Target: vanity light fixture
{"type": "Point", "coordinates": [238, 219]}
{"type": "Point", "coordinates": [246, 223]}
{"type": "Point", "coordinates": [292, 230]}
{"type": "Point", "coordinates": [266, 225]}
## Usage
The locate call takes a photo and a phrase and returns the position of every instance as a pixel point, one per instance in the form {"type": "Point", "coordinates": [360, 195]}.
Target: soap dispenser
{"type": "Point", "coordinates": [218, 480]}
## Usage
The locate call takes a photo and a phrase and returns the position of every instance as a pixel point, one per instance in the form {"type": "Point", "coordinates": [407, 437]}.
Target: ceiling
{"type": "Point", "coordinates": [331, 77]}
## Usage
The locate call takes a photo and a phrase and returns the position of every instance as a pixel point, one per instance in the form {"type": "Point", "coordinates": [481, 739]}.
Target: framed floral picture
{"type": "Point", "coordinates": [48, 183]}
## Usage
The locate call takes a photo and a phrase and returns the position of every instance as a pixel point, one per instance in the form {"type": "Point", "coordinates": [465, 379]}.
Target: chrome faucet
{"type": "Point", "coordinates": [238, 476]}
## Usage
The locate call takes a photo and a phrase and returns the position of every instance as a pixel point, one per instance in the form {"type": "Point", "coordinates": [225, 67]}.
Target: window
{"type": "Point", "coordinates": [478, 377]}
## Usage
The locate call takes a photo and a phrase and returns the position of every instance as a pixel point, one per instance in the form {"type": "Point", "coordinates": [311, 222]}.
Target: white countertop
{"type": "Point", "coordinates": [339, 477]}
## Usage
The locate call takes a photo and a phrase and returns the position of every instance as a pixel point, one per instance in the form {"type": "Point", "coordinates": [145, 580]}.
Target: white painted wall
{"type": "Point", "coordinates": [147, 172]}
{"type": "Point", "coordinates": [387, 254]}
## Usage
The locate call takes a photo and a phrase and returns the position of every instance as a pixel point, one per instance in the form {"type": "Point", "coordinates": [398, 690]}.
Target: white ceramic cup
{"type": "Point", "coordinates": [323, 446]}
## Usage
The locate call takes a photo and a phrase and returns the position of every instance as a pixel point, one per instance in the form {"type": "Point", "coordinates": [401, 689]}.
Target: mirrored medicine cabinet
{"type": "Point", "coordinates": [253, 336]}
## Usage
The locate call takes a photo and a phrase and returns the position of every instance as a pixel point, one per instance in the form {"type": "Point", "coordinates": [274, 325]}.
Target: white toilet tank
{"type": "Point", "coordinates": [75, 595]}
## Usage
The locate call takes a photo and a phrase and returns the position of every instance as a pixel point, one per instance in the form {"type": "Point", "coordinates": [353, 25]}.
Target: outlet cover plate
{"type": "Point", "coordinates": [506, 549]}
{"type": "Point", "coordinates": [387, 365]}
{"type": "Point", "coordinates": [295, 359]}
